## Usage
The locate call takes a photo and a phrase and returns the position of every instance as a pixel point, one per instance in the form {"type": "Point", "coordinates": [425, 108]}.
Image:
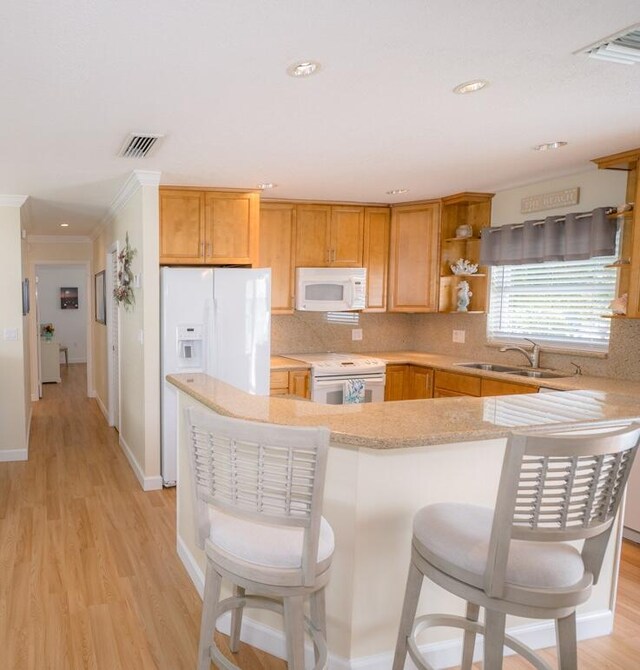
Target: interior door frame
{"type": "Point", "coordinates": [114, 394]}
{"type": "Point", "coordinates": [35, 335]}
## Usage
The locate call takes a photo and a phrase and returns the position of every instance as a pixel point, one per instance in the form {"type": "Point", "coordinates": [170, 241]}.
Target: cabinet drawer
{"type": "Point", "coordinates": [279, 381]}
{"type": "Point", "coordinates": [452, 381]}
{"type": "Point", "coordinates": [496, 387]}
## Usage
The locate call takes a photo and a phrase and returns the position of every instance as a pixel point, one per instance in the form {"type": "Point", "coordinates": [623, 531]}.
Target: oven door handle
{"type": "Point", "coordinates": [340, 380]}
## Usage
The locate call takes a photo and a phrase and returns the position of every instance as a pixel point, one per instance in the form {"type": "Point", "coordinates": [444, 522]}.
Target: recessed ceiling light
{"type": "Point", "coordinates": [549, 145]}
{"type": "Point", "coordinates": [470, 86]}
{"type": "Point", "coordinates": [398, 191]}
{"type": "Point", "coordinates": [303, 69]}
{"type": "Point", "coordinates": [266, 185]}
{"type": "Point", "coordinates": [64, 225]}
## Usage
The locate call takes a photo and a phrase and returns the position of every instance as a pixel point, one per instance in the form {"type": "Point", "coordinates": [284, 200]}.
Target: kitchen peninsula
{"type": "Point", "coordinates": [387, 460]}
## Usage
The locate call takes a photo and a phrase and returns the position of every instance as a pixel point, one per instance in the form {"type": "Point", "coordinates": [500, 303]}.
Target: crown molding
{"type": "Point", "coordinates": [59, 239]}
{"type": "Point", "coordinates": [136, 180]}
{"type": "Point", "coordinates": [12, 200]}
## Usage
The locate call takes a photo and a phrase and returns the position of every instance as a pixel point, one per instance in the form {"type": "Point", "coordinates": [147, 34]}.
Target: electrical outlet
{"type": "Point", "coordinates": [459, 336]}
{"type": "Point", "coordinates": [356, 334]}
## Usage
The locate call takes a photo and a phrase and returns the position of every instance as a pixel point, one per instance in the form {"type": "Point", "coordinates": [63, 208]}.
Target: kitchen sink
{"type": "Point", "coordinates": [538, 374]}
{"type": "Point", "coordinates": [511, 370]}
{"type": "Point", "coordinates": [491, 367]}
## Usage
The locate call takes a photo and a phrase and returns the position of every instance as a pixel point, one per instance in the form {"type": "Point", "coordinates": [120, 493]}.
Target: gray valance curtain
{"type": "Point", "coordinates": [557, 238]}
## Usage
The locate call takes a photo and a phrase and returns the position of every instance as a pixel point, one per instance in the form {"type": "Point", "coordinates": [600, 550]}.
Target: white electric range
{"type": "Point", "coordinates": [331, 372]}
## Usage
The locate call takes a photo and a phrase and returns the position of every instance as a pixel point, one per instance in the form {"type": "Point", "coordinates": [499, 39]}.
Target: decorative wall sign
{"type": "Point", "coordinates": [100, 293]}
{"type": "Point", "coordinates": [69, 297]}
{"type": "Point", "coordinates": [538, 203]}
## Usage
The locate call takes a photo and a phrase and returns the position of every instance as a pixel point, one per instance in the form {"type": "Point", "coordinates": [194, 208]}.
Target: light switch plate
{"type": "Point", "coordinates": [459, 336]}
{"type": "Point", "coordinates": [356, 334]}
{"type": "Point", "coordinates": [10, 333]}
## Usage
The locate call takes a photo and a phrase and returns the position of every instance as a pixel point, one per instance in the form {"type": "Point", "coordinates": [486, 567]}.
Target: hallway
{"type": "Point", "coordinates": [89, 576]}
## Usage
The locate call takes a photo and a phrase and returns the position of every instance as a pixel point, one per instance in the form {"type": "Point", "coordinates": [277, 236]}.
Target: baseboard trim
{"type": "Point", "coordinates": [439, 654]}
{"type": "Point", "coordinates": [29, 429]}
{"type": "Point", "coordinates": [630, 534]}
{"type": "Point", "coordinates": [103, 409]}
{"type": "Point", "coordinates": [35, 397]}
{"type": "Point", "coordinates": [147, 483]}
{"type": "Point", "coordinates": [8, 455]}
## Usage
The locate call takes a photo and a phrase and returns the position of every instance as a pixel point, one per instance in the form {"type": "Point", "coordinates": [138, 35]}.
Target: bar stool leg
{"type": "Point", "coordinates": [208, 622]}
{"type": "Point", "coordinates": [411, 596]}
{"type": "Point", "coordinates": [567, 644]}
{"type": "Point", "coordinates": [236, 620]}
{"type": "Point", "coordinates": [469, 642]}
{"type": "Point", "coordinates": [294, 631]}
{"type": "Point", "coordinates": [318, 617]}
{"type": "Point", "coordinates": [494, 639]}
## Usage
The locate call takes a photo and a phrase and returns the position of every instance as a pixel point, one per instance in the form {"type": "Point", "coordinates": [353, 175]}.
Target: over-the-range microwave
{"type": "Point", "coordinates": [330, 289]}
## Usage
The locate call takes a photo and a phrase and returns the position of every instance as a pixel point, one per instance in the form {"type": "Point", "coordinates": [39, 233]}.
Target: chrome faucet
{"type": "Point", "coordinates": [532, 356]}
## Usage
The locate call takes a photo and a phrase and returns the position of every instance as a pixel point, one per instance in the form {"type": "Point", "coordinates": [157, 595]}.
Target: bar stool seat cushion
{"type": "Point", "coordinates": [457, 535]}
{"type": "Point", "coordinates": [263, 544]}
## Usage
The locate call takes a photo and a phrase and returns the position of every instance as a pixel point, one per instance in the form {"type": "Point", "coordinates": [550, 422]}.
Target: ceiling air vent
{"type": "Point", "coordinates": [622, 47]}
{"type": "Point", "coordinates": [139, 145]}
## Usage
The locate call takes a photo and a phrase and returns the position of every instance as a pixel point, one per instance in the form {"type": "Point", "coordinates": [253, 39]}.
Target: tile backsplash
{"type": "Point", "coordinates": [304, 332]}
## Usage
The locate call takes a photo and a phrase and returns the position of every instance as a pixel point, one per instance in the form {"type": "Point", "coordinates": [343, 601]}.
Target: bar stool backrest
{"type": "Point", "coordinates": [260, 472]}
{"type": "Point", "coordinates": [560, 487]}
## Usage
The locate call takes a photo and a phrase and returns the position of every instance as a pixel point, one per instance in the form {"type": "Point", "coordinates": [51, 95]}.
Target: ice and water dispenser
{"type": "Point", "coordinates": [190, 346]}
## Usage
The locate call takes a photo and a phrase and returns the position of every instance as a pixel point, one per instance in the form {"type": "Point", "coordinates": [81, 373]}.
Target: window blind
{"type": "Point", "coordinates": [559, 303]}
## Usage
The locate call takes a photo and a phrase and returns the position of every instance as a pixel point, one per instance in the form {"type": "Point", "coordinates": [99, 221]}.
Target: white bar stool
{"type": "Point", "coordinates": [554, 488]}
{"type": "Point", "coordinates": [259, 490]}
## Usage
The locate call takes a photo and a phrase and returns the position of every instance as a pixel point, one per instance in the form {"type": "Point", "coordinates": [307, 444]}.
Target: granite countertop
{"type": "Point", "coordinates": [411, 423]}
{"type": "Point", "coordinates": [287, 363]}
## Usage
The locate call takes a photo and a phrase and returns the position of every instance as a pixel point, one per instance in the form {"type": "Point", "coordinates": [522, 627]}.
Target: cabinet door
{"type": "Point", "coordinates": [420, 382]}
{"type": "Point", "coordinates": [299, 383]}
{"type": "Point", "coordinates": [313, 224]}
{"type": "Point", "coordinates": [376, 256]}
{"type": "Point", "coordinates": [346, 236]}
{"type": "Point", "coordinates": [277, 240]}
{"type": "Point", "coordinates": [181, 227]}
{"type": "Point", "coordinates": [279, 382]}
{"type": "Point", "coordinates": [231, 228]}
{"type": "Point", "coordinates": [396, 382]}
{"type": "Point", "coordinates": [413, 262]}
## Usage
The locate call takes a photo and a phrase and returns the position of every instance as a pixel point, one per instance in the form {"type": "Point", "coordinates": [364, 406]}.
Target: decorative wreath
{"type": "Point", "coordinates": [123, 292]}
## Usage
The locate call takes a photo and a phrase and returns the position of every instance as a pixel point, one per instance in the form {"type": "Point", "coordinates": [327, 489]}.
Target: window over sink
{"type": "Point", "coordinates": [557, 303]}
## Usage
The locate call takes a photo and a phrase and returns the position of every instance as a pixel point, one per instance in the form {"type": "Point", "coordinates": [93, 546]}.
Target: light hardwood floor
{"type": "Point", "coordinates": [89, 576]}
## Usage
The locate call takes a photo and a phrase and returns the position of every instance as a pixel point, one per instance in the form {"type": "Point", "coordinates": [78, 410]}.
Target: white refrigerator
{"type": "Point", "coordinates": [217, 321]}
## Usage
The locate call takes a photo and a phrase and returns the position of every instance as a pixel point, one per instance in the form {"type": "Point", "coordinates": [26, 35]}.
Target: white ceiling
{"type": "Point", "coordinates": [76, 77]}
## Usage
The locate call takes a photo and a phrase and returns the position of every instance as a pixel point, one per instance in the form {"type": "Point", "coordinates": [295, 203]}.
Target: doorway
{"type": "Point", "coordinates": [61, 329]}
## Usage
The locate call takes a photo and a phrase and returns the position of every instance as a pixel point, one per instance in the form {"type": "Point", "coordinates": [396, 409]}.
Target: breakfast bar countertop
{"type": "Point", "coordinates": [411, 423]}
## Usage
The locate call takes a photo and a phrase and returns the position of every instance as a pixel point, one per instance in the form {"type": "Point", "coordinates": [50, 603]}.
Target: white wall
{"type": "Point", "coordinates": [14, 401]}
{"type": "Point", "coordinates": [135, 212]}
{"type": "Point", "coordinates": [70, 324]}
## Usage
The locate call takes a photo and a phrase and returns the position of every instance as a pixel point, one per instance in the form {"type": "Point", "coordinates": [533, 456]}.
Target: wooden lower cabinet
{"type": "Point", "coordinates": [453, 383]}
{"type": "Point", "coordinates": [497, 387]}
{"type": "Point", "coordinates": [394, 388]}
{"type": "Point", "coordinates": [408, 382]}
{"type": "Point", "coordinates": [290, 382]}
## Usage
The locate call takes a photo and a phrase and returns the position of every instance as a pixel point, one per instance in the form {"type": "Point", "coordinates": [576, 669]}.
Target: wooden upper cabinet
{"type": "Point", "coordinates": [377, 222]}
{"type": "Point", "coordinates": [231, 228]}
{"type": "Point", "coordinates": [181, 227]}
{"type": "Point", "coordinates": [199, 227]}
{"type": "Point", "coordinates": [329, 236]}
{"type": "Point", "coordinates": [277, 242]}
{"type": "Point", "coordinates": [346, 235]}
{"type": "Point", "coordinates": [413, 259]}
{"type": "Point", "coordinates": [313, 235]}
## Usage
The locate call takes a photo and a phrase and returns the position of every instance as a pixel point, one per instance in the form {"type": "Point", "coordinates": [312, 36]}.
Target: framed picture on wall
{"type": "Point", "coordinates": [100, 293]}
{"type": "Point", "coordinates": [25, 296]}
{"type": "Point", "coordinates": [69, 297]}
